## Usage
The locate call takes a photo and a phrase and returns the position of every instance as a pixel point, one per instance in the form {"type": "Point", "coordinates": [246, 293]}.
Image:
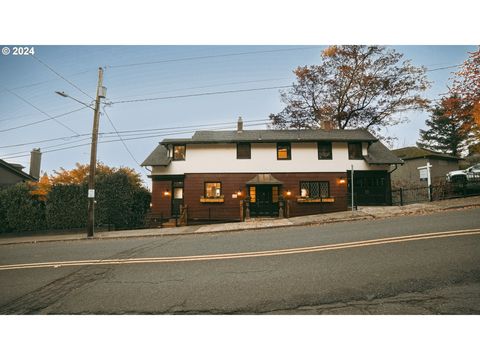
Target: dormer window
{"type": "Point", "coordinates": [179, 152]}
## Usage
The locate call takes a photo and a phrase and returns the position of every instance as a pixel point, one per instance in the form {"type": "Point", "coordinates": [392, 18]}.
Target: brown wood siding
{"type": "Point", "coordinates": [231, 183]}
{"type": "Point", "coordinates": [338, 191]}
{"type": "Point", "coordinates": [161, 204]}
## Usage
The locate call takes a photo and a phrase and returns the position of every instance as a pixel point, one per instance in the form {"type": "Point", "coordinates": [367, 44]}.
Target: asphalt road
{"type": "Point", "coordinates": [373, 266]}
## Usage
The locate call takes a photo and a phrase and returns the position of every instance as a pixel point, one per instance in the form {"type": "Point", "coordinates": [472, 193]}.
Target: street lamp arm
{"type": "Point", "coordinates": [63, 94]}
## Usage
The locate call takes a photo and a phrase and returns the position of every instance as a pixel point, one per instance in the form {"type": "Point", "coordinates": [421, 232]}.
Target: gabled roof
{"type": "Point", "coordinates": [158, 157]}
{"type": "Point", "coordinates": [414, 152]}
{"type": "Point", "coordinates": [264, 179]}
{"type": "Point", "coordinates": [202, 137]}
{"type": "Point", "coordinates": [379, 154]}
{"type": "Point", "coordinates": [17, 170]}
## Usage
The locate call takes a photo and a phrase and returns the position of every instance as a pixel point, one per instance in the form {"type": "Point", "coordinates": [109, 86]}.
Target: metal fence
{"type": "Point", "coordinates": [448, 190]}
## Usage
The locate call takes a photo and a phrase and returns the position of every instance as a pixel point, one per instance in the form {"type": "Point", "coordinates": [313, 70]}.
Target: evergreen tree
{"type": "Point", "coordinates": [449, 127]}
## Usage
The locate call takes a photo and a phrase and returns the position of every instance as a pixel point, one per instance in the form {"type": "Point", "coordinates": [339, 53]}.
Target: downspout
{"type": "Point", "coordinates": [396, 167]}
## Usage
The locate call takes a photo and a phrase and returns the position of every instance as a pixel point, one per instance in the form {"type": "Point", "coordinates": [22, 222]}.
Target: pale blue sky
{"type": "Point", "coordinates": [263, 68]}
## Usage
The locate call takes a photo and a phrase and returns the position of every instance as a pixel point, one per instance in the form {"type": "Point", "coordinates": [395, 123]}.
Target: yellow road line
{"type": "Point", "coordinates": [289, 251]}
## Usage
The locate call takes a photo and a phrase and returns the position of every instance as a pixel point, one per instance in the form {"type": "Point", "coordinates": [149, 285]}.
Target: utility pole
{"type": "Point", "coordinates": [93, 155]}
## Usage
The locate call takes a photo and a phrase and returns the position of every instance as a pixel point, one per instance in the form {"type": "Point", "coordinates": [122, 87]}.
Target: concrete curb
{"type": "Point", "coordinates": [364, 216]}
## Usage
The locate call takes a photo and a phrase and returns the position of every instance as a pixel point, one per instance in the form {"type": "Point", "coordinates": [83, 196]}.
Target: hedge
{"type": "Point", "coordinates": [20, 211]}
{"type": "Point", "coordinates": [67, 207]}
{"type": "Point", "coordinates": [120, 204]}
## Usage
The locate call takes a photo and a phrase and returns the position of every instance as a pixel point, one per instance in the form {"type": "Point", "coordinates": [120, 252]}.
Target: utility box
{"type": "Point", "coordinates": [102, 92]}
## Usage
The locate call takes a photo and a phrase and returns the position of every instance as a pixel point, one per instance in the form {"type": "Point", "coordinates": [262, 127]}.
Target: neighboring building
{"type": "Point", "coordinates": [213, 171]}
{"type": "Point", "coordinates": [11, 174]}
{"type": "Point", "coordinates": [415, 157]}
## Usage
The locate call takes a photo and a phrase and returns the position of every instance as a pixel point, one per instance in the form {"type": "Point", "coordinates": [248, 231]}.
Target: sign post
{"type": "Point", "coordinates": [351, 188]}
{"type": "Point", "coordinates": [425, 170]}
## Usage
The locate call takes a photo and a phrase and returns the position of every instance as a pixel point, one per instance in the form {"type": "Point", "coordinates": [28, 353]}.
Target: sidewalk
{"type": "Point", "coordinates": [363, 213]}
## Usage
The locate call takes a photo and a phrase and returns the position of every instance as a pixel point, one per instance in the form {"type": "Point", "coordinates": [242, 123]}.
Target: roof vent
{"type": "Point", "coordinates": [239, 124]}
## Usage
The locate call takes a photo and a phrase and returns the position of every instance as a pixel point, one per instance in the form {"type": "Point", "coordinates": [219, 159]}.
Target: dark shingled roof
{"type": "Point", "coordinates": [158, 157]}
{"type": "Point", "coordinates": [273, 136]}
{"type": "Point", "coordinates": [17, 169]}
{"type": "Point", "coordinates": [379, 154]}
{"type": "Point", "coordinates": [413, 152]}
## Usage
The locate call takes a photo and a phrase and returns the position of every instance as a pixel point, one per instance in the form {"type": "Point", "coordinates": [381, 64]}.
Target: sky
{"type": "Point", "coordinates": [27, 94]}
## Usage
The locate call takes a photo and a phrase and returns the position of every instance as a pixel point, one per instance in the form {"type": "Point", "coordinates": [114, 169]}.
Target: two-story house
{"type": "Point", "coordinates": [213, 171]}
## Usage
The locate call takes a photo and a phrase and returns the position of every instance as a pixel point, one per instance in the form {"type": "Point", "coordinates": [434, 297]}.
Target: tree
{"type": "Point", "coordinates": [79, 174]}
{"type": "Point", "coordinates": [41, 188]}
{"type": "Point", "coordinates": [449, 127]}
{"type": "Point", "coordinates": [467, 84]}
{"type": "Point", "coordinates": [353, 87]}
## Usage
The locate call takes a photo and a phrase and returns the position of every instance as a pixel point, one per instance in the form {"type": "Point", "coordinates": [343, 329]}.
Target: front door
{"type": "Point", "coordinates": [264, 200]}
{"type": "Point", "coordinates": [177, 197]}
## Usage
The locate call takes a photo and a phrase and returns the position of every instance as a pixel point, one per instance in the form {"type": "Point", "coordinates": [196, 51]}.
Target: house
{"type": "Point", "coordinates": [414, 157]}
{"type": "Point", "coordinates": [11, 174]}
{"type": "Point", "coordinates": [274, 172]}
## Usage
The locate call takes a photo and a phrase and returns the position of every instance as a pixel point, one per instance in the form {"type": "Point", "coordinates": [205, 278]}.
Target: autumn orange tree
{"type": "Point", "coordinates": [79, 175]}
{"type": "Point", "coordinates": [467, 84]}
{"type": "Point", "coordinates": [353, 87]}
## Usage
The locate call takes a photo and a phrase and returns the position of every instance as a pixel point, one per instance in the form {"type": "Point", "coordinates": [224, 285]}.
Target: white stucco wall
{"type": "Point", "coordinates": [222, 158]}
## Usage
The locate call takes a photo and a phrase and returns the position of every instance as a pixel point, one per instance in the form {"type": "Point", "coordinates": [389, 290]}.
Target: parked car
{"type": "Point", "coordinates": [464, 176]}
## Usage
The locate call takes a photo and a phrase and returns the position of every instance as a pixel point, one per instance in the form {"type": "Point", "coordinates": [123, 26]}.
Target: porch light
{"type": "Point", "coordinates": [342, 180]}
{"type": "Point", "coordinates": [239, 193]}
{"type": "Point", "coordinates": [166, 193]}
{"type": "Point", "coordinates": [288, 193]}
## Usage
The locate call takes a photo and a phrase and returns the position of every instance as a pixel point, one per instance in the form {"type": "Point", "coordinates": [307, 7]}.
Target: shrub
{"type": "Point", "coordinates": [67, 207]}
{"type": "Point", "coordinates": [20, 211]}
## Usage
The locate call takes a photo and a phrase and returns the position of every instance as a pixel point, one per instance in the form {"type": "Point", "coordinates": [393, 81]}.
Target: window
{"type": "Point", "coordinates": [253, 193]}
{"type": "Point", "coordinates": [355, 151]}
{"type": "Point", "coordinates": [314, 189]}
{"type": "Point", "coordinates": [324, 151]}
{"type": "Point", "coordinates": [179, 152]}
{"type": "Point", "coordinates": [243, 151]}
{"type": "Point", "coordinates": [274, 194]}
{"type": "Point", "coordinates": [284, 151]}
{"type": "Point", "coordinates": [213, 190]}
{"type": "Point", "coordinates": [178, 193]}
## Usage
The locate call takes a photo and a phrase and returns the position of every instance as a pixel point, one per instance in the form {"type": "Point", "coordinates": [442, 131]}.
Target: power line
{"type": "Point", "coordinates": [133, 132]}
{"type": "Point", "coordinates": [43, 141]}
{"type": "Point", "coordinates": [111, 141]}
{"type": "Point", "coordinates": [59, 75]}
{"type": "Point", "coordinates": [445, 67]}
{"type": "Point", "coordinates": [200, 94]}
{"type": "Point", "coordinates": [123, 142]}
{"type": "Point", "coordinates": [210, 57]}
{"type": "Point", "coordinates": [44, 120]}
{"type": "Point", "coordinates": [202, 87]}
{"type": "Point", "coordinates": [46, 81]}
{"type": "Point", "coordinates": [40, 110]}
{"type": "Point", "coordinates": [229, 91]}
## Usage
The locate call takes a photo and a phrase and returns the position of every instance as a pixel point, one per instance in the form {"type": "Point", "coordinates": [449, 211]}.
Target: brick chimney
{"type": "Point", "coordinates": [239, 124]}
{"type": "Point", "coordinates": [327, 125]}
{"type": "Point", "coordinates": [35, 162]}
